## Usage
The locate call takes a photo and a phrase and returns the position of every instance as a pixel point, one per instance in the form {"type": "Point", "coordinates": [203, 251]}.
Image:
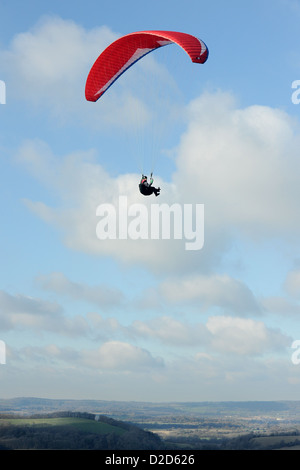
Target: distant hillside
{"type": "Point", "coordinates": [87, 431]}
{"type": "Point", "coordinates": [125, 410]}
{"type": "Point", "coordinates": [72, 431]}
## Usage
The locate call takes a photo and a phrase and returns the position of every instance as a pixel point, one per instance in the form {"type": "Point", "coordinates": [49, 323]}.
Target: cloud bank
{"type": "Point", "coordinates": [199, 327]}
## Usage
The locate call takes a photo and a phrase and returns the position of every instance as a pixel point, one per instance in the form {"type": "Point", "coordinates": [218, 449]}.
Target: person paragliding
{"type": "Point", "coordinates": [146, 188]}
{"type": "Point", "coordinates": [124, 52]}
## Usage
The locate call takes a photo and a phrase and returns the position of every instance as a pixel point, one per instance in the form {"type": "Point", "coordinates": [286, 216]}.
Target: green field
{"type": "Point", "coordinates": [80, 424]}
{"type": "Point", "coordinates": [74, 431]}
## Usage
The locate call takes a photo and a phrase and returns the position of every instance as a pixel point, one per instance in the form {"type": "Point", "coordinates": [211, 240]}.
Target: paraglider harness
{"type": "Point", "coordinates": [146, 188]}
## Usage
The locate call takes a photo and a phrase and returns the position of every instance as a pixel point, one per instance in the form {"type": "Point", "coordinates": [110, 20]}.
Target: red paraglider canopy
{"type": "Point", "coordinates": [127, 50]}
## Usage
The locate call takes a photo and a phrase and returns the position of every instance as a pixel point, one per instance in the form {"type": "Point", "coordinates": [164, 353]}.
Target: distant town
{"type": "Point", "coordinates": [191, 426]}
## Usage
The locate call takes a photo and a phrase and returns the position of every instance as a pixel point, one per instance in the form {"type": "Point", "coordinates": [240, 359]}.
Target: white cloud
{"type": "Point", "coordinates": [100, 295]}
{"type": "Point", "coordinates": [48, 65]}
{"type": "Point", "coordinates": [292, 283]}
{"type": "Point", "coordinates": [80, 185]}
{"type": "Point", "coordinates": [19, 312]}
{"type": "Point", "coordinates": [281, 306]}
{"type": "Point", "coordinates": [57, 49]}
{"type": "Point", "coordinates": [220, 334]}
{"type": "Point", "coordinates": [62, 372]}
{"type": "Point", "coordinates": [24, 312]}
{"type": "Point", "coordinates": [172, 332]}
{"type": "Point", "coordinates": [243, 164]}
{"type": "Point", "coordinates": [208, 291]}
{"type": "Point", "coordinates": [119, 355]}
{"type": "Point", "coordinates": [110, 356]}
{"type": "Point", "coordinates": [244, 336]}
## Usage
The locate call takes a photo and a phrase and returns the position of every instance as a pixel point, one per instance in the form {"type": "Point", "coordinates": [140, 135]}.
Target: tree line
{"type": "Point", "coordinates": [44, 436]}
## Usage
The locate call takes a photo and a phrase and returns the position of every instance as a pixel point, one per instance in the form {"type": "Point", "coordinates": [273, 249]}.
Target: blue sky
{"type": "Point", "coordinates": [146, 319]}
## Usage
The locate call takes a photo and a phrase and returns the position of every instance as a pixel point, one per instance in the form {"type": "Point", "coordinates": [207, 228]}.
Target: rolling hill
{"type": "Point", "coordinates": [74, 431]}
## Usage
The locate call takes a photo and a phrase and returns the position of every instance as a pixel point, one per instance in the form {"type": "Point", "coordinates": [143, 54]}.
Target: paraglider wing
{"type": "Point", "coordinates": [125, 51]}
